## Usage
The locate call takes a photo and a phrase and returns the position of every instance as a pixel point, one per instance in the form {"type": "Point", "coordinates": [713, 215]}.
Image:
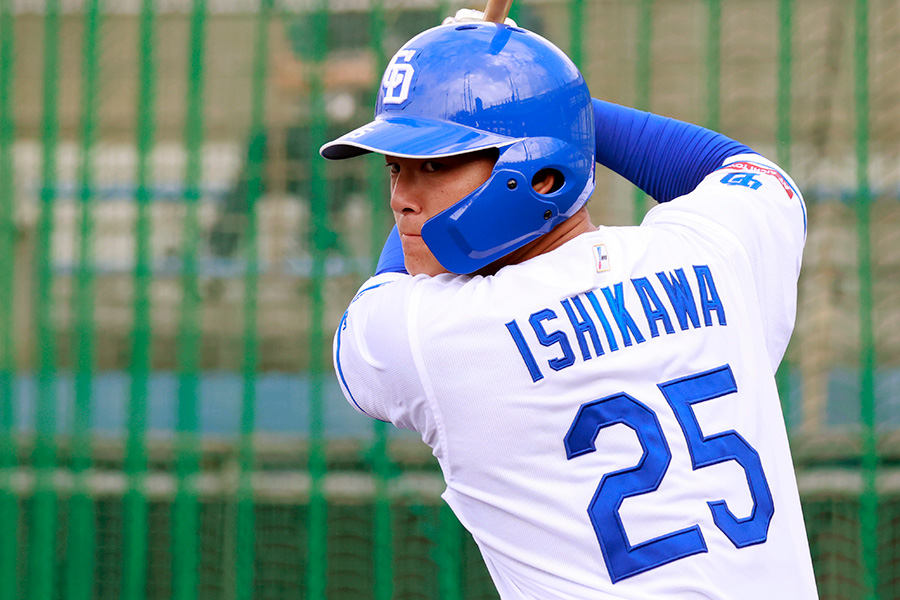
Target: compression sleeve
{"type": "Point", "coordinates": [664, 157]}
{"type": "Point", "coordinates": [391, 259]}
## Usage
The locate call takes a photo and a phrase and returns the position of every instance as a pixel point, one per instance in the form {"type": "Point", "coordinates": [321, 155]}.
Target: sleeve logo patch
{"type": "Point", "coordinates": [734, 178]}
{"type": "Point", "coordinates": [601, 258]}
{"type": "Point", "coordinates": [748, 180]}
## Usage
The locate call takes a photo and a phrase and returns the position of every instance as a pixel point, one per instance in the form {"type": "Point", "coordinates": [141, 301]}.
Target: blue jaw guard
{"type": "Point", "coordinates": [505, 212]}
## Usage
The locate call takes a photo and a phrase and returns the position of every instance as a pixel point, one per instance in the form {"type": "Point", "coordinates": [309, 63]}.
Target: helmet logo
{"type": "Point", "coordinates": [398, 77]}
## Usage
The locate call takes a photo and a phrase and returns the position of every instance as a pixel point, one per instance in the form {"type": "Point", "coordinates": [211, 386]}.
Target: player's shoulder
{"type": "Point", "coordinates": [753, 172]}
{"type": "Point", "coordinates": [447, 299]}
{"type": "Point", "coordinates": [575, 263]}
{"type": "Point", "coordinates": [747, 193]}
{"type": "Point", "coordinates": [751, 176]}
{"type": "Point", "coordinates": [386, 300]}
{"type": "Point", "coordinates": [394, 284]}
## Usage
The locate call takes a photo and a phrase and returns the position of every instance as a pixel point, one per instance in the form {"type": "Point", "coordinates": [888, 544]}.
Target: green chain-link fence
{"type": "Point", "coordinates": [174, 258]}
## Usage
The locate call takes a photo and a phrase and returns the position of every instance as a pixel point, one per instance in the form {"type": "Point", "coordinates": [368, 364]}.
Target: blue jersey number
{"type": "Point", "coordinates": [623, 559]}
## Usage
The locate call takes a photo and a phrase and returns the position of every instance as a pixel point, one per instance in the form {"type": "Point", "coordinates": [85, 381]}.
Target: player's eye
{"type": "Point", "coordinates": [394, 168]}
{"type": "Point", "coordinates": [430, 166]}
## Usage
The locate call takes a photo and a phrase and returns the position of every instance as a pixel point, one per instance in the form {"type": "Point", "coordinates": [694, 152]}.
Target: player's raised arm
{"type": "Point", "coordinates": [664, 157]}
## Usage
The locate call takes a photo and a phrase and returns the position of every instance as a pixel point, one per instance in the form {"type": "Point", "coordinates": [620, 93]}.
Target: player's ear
{"type": "Point", "coordinates": [546, 181]}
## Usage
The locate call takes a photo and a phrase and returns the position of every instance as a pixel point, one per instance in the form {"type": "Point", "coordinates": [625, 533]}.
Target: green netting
{"type": "Point", "coordinates": [174, 258]}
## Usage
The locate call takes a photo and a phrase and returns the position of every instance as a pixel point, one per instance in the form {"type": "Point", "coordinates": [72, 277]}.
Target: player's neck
{"type": "Point", "coordinates": [568, 230]}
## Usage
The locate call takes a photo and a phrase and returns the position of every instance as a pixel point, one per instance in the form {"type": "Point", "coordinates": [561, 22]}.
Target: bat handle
{"type": "Point", "coordinates": [497, 10]}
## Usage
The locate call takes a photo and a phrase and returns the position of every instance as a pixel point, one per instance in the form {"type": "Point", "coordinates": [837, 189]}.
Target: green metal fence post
{"type": "Point", "coordinates": [576, 32]}
{"type": "Point", "coordinates": [134, 569]}
{"type": "Point", "coordinates": [784, 91]}
{"type": "Point", "coordinates": [9, 509]}
{"type": "Point", "coordinates": [383, 555]}
{"type": "Point", "coordinates": [450, 538]}
{"type": "Point", "coordinates": [642, 82]}
{"type": "Point", "coordinates": [869, 500]}
{"type": "Point", "coordinates": [783, 152]}
{"type": "Point", "coordinates": [42, 546]}
{"type": "Point", "coordinates": [515, 12]}
{"type": "Point", "coordinates": [443, 10]}
{"type": "Point", "coordinates": [375, 162]}
{"type": "Point", "coordinates": [186, 508]}
{"type": "Point", "coordinates": [318, 198]}
{"type": "Point", "coordinates": [245, 523]}
{"type": "Point", "coordinates": [79, 566]}
{"type": "Point", "coordinates": [713, 63]}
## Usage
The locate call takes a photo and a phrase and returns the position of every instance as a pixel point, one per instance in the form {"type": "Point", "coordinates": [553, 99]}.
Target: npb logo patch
{"type": "Point", "coordinates": [601, 258]}
{"type": "Point", "coordinates": [398, 78]}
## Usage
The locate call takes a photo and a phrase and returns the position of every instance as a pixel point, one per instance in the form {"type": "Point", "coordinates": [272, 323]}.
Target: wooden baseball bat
{"type": "Point", "coordinates": [497, 10]}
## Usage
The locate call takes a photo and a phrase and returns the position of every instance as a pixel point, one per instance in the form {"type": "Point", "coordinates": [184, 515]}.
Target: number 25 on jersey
{"type": "Point", "coordinates": [624, 560]}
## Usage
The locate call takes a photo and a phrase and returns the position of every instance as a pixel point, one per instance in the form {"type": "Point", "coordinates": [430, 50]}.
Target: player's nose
{"type": "Point", "coordinates": [404, 195]}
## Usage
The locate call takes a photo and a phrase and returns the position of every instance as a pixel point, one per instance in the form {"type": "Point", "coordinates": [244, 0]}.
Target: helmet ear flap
{"type": "Point", "coordinates": [501, 215]}
{"type": "Point", "coordinates": [573, 169]}
{"type": "Point", "coordinates": [506, 212]}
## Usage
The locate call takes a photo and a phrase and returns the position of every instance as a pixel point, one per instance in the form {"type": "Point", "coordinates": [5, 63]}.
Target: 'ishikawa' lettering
{"type": "Point", "coordinates": [663, 301]}
{"type": "Point", "coordinates": [552, 339]}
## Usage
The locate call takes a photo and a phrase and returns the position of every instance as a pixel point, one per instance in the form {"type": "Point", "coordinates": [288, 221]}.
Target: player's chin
{"type": "Point", "coordinates": [419, 268]}
{"type": "Point", "coordinates": [422, 263]}
{"type": "Point", "coordinates": [417, 257]}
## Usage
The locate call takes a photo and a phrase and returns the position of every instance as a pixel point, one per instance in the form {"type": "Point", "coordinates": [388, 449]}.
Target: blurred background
{"type": "Point", "coordinates": [174, 259]}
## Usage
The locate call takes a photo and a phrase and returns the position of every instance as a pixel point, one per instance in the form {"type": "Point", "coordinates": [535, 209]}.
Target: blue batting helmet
{"type": "Point", "coordinates": [464, 87]}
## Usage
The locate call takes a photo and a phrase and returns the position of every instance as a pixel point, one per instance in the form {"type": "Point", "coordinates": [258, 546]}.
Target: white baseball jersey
{"type": "Point", "coordinates": [605, 414]}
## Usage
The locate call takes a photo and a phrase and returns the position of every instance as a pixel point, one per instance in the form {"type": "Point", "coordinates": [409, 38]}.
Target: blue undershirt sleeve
{"type": "Point", "coordinates": [664, 157]}
{"type": "Point", "coordinates": [391, 259]}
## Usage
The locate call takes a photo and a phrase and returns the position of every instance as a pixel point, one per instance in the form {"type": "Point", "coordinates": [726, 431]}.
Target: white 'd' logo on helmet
{"type": "Point", "coordinates": [398, 77]}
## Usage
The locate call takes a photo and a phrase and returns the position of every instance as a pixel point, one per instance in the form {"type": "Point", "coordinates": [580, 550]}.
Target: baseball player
{"type": "Point", "coordinates": [601, 400]}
